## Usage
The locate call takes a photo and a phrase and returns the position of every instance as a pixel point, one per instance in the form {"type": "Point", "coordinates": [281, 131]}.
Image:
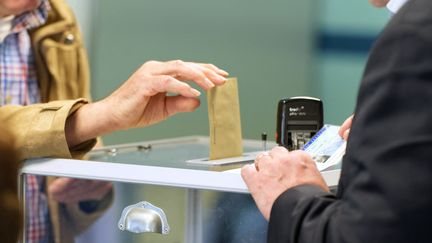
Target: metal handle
{"type": "Point", "coordinates": [144, 217]}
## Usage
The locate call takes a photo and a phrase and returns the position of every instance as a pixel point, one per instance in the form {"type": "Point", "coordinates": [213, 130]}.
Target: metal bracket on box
{"type": "Point", "coordinates": [245, 158]}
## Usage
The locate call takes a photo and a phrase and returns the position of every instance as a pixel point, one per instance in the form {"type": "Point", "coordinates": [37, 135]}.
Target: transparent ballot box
{"type": "Point", "coordinates": [167, 191]}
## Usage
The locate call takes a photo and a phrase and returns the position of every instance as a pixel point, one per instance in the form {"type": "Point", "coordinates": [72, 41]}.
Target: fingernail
{"type": "Point", "coordinates": [222, 79]}
{"type": "Point", "coordinates": [225, 73]}
{"type": "Point", "coordinates": [209, 83]}
{"type": "Point", "coordinates": [195, 92]}
{"type": "Point", "coordinates": [346, 134]}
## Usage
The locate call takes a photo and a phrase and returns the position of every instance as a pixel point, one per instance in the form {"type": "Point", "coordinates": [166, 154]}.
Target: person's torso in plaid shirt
{"type": "Point", "coordinates": [19, 86]}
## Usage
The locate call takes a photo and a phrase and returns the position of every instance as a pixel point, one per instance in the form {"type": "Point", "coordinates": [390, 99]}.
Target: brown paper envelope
{"type": "Point", "coordinates": [224, 121]}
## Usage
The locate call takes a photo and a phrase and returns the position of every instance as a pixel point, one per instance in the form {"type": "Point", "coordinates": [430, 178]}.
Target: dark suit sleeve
{"type": "Point", "coordinates": [387, 170]}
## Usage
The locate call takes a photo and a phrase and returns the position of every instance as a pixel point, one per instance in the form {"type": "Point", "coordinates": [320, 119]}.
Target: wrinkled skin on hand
{"type": "Point", "coordinates": [277, 171]}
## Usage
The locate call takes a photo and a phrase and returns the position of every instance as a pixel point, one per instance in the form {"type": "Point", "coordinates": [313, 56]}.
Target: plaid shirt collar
{"type": "Point", "coordinates": [31, 19]}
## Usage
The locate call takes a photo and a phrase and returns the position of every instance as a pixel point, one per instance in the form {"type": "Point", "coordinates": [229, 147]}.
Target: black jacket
{"type": "Point", "coordinates": [385, 193]}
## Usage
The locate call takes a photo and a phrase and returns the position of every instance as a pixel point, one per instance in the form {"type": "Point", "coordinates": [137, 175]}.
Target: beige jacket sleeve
{"type": "Point", "coordinates": [40, 129]}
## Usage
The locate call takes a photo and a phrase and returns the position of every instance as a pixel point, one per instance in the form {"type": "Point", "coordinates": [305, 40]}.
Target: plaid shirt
{"type": "Point", "coordinates": [18, 85]}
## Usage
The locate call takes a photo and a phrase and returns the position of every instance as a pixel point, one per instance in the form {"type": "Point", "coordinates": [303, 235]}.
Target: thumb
{"type": "Point", "coordinates": [346, 134]}
{"type": "Point", "coordinates": [178, 103]}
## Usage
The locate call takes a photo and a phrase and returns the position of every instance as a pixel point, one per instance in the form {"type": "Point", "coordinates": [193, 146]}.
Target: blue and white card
{"type": "Point", "coordinates": [326, 147]}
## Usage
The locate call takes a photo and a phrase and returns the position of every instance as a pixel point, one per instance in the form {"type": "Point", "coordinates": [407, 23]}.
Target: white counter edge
{"type": "Point", "coordinates": [152, 175]}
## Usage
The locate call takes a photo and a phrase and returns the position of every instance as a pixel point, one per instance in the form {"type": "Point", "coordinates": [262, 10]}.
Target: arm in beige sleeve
{"type": "Point", "coordinates": [40, 129]}
{"type": "Point", "coordinates": [68, 128]}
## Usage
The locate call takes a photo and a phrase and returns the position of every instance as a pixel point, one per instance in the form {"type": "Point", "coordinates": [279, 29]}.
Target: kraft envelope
{"type": "Point", "coordinates": [224, 121]}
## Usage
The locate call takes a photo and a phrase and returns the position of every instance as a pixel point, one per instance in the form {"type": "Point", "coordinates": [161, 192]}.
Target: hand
{"type": "Point", "coordinates": [345, 128]}
{"type": "Point", "coordinates": [68, 190]}
{"type": "Point", "coordinates": [277, 171]}
{"type": "Point", "coordinates": [142, 100]}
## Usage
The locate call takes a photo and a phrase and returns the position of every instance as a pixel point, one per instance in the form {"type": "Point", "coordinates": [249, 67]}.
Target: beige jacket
{"type": "Point", "coordinates": [63, 75]}
{"type": "Point", "coordinates": [10, 222]}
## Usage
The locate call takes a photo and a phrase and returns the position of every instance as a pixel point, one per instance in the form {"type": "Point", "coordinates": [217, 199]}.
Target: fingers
{"type": "Point", "coordinates": [176, 104]}
{"type": "Point", "coordinates": [162, 77]}
{"type": "Point", "coordinates": [248, 173]}
{"type": "Point", "coordinates": [165, 83]}
{"type": "Point", "coordinates": [278, 152]}
{"type": "Point", "coordinates": [262, 161]}
{"type": "Point", "coordinates": [265, 161]}
{"type": "Point", "coordinates": [92, 191]}
{"type": "Point", "coordinates": [345, 127]}
{"type": "Point", "coordinates": [214, 75]}
{"type": "Point", "coordinates": [64, 189]}
{"type": "Point", "coordinates": [302, 159]}
{"type": "Point", "coordinates": [206, 76]}
{"type": "Point", "coordinates": [60, 185]}
{"type": "Point", "coordinates": [68, 190]}
{"type": "Point", "coordinates": [214, 68]}
{"type": "Point", "coordinates": [346, 134]}
{"type": "Point", "coordinates": [98, 191]}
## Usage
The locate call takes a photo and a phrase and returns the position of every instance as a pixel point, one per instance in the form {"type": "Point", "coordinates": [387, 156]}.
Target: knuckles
{"type": "Point", "coordinates": [245, 173]}
{"type": "Point", "coordinates": [149, 64]}
{"type": "Point", "coordinates": [179, 64]}
{"type": "Point", "coordinates": [164, 81]}
{"type": "Point", "coordinates": [211, 66]}
{"type": "Point", "coordinates": [297, 158]}
{"type": "Point", "coordinates": [279, 150]}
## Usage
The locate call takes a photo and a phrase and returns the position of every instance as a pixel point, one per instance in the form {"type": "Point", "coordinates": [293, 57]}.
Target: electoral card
{"type": "Point", "coordinates": [326, 147]}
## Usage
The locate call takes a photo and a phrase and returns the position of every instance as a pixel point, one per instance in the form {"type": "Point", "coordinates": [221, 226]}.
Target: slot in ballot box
{"type": "Point", "coordinates": [201, 202]}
